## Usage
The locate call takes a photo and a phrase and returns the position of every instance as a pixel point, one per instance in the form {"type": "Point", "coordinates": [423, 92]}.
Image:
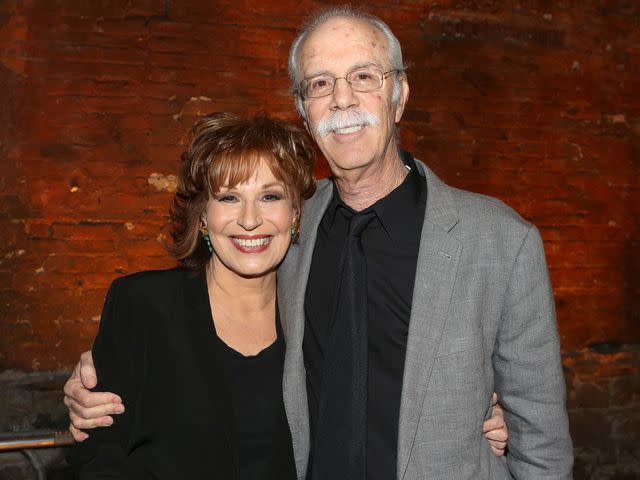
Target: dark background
{"type": "Point", "coordinates": [533, 101]}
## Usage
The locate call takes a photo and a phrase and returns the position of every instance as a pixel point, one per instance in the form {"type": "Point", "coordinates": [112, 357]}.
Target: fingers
{"type": "Point", "coordinates": [86, 424]}
{"type": "Point", "coordinates": [89, 409]}
{"type": "Point", "coordinates": [498, 452]}
{"type": "Point", "coordinates": [498, 435]}
{"type": "Point", "coordinates": [497, 438]}
{"type": "Point", "coordinates": [78, 436]}
{"type": "Point", "coordinates": [495, 429]}
{"type": "Point", "coordinates": [91, 417]}
{"type": "Point", "coordinates": [495, 424]}
{"type": "Point", "coordinates": [496, 408]}
{"type": "Point", "coordinates": [76, 392]}
{"type": "Point", "coordinates": [88, 400]}
{"type": "Point", "coordinates": [87, 370]}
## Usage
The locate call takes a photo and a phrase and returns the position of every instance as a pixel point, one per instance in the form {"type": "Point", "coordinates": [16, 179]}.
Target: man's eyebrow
{"type": "Point", "coordinates": [364, 65]}
{"type": "Point", "coordinates": [323, 72]}
{"type": "Point", "coordinates": [353, 67]}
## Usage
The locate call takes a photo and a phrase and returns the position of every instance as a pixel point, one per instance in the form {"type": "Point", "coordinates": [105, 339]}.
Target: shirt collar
{"type": "Point", "coordinates": [397, 209]}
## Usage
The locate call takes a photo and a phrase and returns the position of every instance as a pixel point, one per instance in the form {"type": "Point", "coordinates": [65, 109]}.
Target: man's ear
{"type": "Point", "coordinates": [404, 96]}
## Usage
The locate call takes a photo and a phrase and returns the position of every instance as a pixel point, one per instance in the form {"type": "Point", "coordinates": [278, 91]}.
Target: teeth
{"type": "Point", "coordinates": [346, 130]}
{"type": "Point", "coordinates": [251, 242]}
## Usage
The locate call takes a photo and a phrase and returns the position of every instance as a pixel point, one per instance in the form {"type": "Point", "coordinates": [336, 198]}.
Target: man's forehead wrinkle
{"type": "Point", "coordinates": [340, 45]}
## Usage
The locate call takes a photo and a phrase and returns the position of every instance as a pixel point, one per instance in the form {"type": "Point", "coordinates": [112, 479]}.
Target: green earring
{"type": "Point", "coordinates": [205, 236]}
{"type": "Point", "coordinates": [207, 240]}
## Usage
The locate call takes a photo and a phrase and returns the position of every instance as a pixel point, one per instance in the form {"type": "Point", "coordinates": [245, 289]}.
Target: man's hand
{"type": "Point", "coordinates": [495, 429]}
{"type": "Point", "coordinates": [88, 409]}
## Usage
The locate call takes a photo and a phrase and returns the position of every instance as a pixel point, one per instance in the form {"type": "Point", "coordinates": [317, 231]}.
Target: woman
{"type": "Point", "coordinates": [209, 330]}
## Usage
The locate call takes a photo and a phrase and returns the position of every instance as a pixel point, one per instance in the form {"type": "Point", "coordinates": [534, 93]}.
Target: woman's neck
{"type": "Point", "coordinates": [241, 293]}
{"type": "Point", "coordinates": [243, 309]}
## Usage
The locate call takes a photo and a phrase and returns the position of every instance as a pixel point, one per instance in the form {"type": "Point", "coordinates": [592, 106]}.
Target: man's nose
{"type": "Point", "coordinates": [343, 96]}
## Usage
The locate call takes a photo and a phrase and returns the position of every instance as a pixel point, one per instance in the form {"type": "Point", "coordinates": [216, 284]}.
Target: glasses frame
{"type": "Point", "coordinates": [386, 74]}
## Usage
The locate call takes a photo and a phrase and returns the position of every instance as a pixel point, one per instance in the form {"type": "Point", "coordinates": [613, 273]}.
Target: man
{"type": "Point", "coordinates": [457, 298]}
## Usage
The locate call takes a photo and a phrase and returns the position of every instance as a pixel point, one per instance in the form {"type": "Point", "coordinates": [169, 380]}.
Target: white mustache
{"type": "Point", "coordinates": [344, 119]}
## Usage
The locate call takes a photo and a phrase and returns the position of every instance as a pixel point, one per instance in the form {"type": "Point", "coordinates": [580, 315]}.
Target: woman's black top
{"type": "Point", "coordinates": [259, 422]}
{"type": "Point", "coordinates": [194, 409]}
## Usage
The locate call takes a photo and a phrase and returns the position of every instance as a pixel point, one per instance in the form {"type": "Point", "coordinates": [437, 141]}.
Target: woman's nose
{"type": "Point", "coordinates": [250, 217]}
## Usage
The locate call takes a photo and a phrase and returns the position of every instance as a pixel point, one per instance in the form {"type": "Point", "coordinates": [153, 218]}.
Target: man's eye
{"type": "Point", "coordinates": [363, 76]}
{"type": "Point", "coordinates": [319, 83]}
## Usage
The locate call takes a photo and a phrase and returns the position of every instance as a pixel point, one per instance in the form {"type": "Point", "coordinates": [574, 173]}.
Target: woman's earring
{"type": "Point", "coordinates": [294, 229]}
{"type": "Point", "coordinates": [205, 235]}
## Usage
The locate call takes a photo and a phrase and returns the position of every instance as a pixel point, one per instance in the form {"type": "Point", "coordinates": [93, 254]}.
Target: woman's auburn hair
{"type": "Point", "coordinates": [226, 150]}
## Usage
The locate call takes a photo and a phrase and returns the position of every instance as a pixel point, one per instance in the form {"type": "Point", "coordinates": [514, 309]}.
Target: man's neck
{"type": "Point", "coordinates": [360, 190]}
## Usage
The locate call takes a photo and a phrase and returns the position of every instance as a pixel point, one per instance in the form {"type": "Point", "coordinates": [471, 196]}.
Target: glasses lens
{"type": "Point", "coordinates": [317, 86]}
{"type": "Point", "coordinates": [365, 79]}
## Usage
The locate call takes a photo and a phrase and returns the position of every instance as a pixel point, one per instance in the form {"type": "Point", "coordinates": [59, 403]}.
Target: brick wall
{"type": "Point", "coordinates": [532, 101]}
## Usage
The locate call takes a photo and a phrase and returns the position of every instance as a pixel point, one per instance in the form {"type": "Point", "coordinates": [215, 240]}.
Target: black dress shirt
{"type": "Point", "coordinates": [390, 243]}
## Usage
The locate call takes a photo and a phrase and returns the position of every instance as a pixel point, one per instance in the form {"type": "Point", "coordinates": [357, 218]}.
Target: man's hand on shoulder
{"type": "Point", "coordinates": [88, 409]}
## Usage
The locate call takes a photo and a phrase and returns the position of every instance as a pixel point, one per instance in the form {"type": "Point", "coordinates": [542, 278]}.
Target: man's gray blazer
{"type": "Point", "coordinates": [482, 320]}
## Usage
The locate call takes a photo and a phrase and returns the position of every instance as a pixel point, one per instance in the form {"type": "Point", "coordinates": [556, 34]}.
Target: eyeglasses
{"type": "Point", "coordinates": [365, 79]}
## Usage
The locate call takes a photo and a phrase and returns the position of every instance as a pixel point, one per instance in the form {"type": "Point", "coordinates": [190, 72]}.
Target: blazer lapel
{"type": "Point", "coordinates": [196, 310]}
{"type": "Point", "coordinates": [293, 275]}
{"type": "Point", "coordinates": [438, 259]}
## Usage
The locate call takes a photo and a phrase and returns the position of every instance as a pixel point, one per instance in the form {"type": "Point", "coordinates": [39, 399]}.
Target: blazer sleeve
{"type": "Point", "coordinates": [528, 370]}
{"type": "Point", "coordinates": [117, 357]}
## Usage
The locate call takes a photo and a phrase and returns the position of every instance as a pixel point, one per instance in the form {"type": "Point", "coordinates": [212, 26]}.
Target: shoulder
{"type": "Point", "coordinates": [470, 211]}
{"type": "Point", "coordinates": [151, 284]}
{"type": "Point", "coordinates": [478, 209]}
{"type": "Point", "coordinates": [153, 277]}
{"type": "Point", "coordinates": [134, 299]}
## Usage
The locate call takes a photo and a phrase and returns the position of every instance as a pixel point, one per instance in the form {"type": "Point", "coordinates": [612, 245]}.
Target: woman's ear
{"type": "Point", "coordinates": [295, 226]}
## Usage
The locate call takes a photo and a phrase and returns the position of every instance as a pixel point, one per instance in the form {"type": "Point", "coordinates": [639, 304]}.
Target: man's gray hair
{"type": "Point", "coordinates": [395, 51]}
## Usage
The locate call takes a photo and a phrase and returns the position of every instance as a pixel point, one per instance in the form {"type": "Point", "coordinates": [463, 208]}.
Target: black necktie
{"type": "Point", "coordinates": [339, 447]}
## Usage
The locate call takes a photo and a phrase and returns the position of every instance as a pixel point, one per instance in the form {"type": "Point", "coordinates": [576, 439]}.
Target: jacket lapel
{"type": "Point", "coordinates": [438, 259]}
{"type": "Point", "coordinates": [293, 275]}
{"type": "Point", "coordinates": [196, 310]}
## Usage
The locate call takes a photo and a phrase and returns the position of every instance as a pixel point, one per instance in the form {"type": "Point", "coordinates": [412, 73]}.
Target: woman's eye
{"type": "Point", "coordinates": [226, 198]}
{"type": "Point", "coordinates": [272, 197]}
